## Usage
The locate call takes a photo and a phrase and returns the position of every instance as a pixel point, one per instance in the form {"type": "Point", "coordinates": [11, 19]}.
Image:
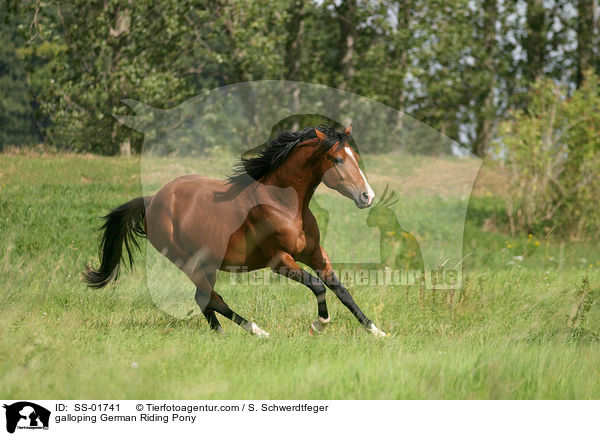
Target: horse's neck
{"type": "Point", "coordinates": [290, 176]}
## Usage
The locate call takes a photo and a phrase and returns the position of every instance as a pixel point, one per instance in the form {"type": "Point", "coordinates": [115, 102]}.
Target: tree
{"type": "Point", "coordinates": [348, 21]}
{"type": "Point", "coordinates": [458, 66]}
{"type": "Point", "coordinates": [293, 48]}
{"type": "Point", "coordinates": [553, 153]}
{"type": "Point", "coordinates": [587, 38]}
{"type": "Point", "coordinates": [535, 43]}
{"type": "Point", "coordinates": [441, 96]}
{"type": "Point", "coordinates": [16, 113]}
{"type": "Point", "coordinates": [107, 51]}
{"type": "Point", "coordinates": [484, 107]}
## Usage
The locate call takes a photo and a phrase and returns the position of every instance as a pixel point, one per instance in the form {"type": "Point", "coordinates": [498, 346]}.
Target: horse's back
{"type": "Point", "coordinates": [188, 215]}
{"type": "Point", "coordinates": [187, 190]}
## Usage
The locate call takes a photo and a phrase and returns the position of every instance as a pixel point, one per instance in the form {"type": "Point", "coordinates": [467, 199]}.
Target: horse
{"type": "Point", "coordinates": [258, 217]}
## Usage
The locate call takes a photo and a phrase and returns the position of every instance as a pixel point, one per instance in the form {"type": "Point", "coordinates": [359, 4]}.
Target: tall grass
{"type": "Point", "coordinates": [508, 333]}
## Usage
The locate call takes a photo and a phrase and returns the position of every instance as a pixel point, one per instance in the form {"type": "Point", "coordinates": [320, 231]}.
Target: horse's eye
{"type": "Point", "coordinates": [338, 160]}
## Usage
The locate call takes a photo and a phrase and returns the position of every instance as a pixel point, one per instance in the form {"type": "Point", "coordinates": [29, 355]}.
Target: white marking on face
{"type": "Point", "coordinates": [370, 193]}
{"type": "Point", "coordinates": [349, 152]}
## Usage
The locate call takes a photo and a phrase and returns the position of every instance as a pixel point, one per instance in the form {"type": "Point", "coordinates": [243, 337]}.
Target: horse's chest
{"type": "Point", "coordinates": [292, 240]}
{"type": "Point", "coordinates": [300, 243]}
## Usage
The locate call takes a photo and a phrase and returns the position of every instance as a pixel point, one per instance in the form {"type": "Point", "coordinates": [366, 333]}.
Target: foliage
{"type": "Point", "coordinates": [553, 152]}
{"type": "Point", "coordinates": [585, 299]}
{"type": "Point", "coordinates": [458, 66]}
{"type": "Point", "coordinates": [93, 54]}
{"type": "Point", "coordinates": [16, 110]}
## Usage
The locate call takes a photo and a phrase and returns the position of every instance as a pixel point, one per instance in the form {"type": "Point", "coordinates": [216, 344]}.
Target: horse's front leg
{"type": "Point", "coordinates": [284, 264]}
{"type": "Point", "coordinates": [319, 261]}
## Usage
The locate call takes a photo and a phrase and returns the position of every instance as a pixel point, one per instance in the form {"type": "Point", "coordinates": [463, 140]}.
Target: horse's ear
{"type": "Point", "coordinates": [348, 130]}
{"type": "Point", "coordinates": [320, 134]}
{"type": "Point", "coordinates": [309, 141]}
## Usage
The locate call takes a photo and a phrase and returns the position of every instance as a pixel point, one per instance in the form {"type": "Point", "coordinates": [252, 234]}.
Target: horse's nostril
{"type": "Point", "coordinates": [364, 196]}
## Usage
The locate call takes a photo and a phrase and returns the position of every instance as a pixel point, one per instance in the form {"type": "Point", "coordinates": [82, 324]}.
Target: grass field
{"type": "Point", "coordinates": [505, 335]}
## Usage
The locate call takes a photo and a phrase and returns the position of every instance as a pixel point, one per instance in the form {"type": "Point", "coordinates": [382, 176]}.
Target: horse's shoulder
{"type": "Point", "coordinates": [309, 222]}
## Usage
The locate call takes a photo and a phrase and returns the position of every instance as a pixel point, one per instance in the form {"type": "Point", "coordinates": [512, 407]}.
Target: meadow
{"type": "Point", "coordinates": [525, 324]}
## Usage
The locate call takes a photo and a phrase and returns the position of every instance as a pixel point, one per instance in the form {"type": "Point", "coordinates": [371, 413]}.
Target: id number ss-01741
{"type": "Point", "coordinates": [96, 407]}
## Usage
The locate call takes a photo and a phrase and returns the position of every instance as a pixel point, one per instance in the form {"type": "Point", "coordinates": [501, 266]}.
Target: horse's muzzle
{"type": "Point", "coordinates": [365, 199]}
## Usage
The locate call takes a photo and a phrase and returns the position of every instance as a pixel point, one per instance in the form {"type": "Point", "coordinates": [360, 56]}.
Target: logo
{"type": "Point", "coordinates": [26, 415]}
{"type": "Point", "coordinates": [413, 233]}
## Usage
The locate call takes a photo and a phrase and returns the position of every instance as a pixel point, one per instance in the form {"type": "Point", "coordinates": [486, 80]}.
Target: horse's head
{"type": "Point", "coordinates": [382, 215]}
{"type": "Point", "coordinates": [341, 171]}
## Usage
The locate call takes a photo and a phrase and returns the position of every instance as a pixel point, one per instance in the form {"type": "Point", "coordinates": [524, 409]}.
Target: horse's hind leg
{"type": "Point", "coordinates": [209, 314]}
{"type": "Point", "coordinates": [205, 281]}
{"type": "Point", "coordinates": [211, 302]}
{"type": "Point", "coordinates": [218, 305]}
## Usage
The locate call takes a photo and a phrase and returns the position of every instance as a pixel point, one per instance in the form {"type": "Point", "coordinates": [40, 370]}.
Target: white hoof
{"type": "Point", "coordinates": [256, 330]}
{"type": "Point", "coordinates": [318, 325]}
{"type": "Point", "coordinates": [376, 332]}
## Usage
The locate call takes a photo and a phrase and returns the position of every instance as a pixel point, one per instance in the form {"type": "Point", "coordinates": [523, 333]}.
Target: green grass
{"type": "Point", "coordinates": [504, 335]}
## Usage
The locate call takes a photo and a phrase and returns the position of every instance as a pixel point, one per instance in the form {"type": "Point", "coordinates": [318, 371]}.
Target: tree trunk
{"type": "Point", "coordinates": [347, 20]}
{"type": "Point", "coordinates": [485, 127]}
{"type": "Point", "coordinates": [486, 111]}
{"type": "Point", "coordinates": [125, 148]}
{"type": "Point", "coordinates": [293, 52]}
{"type": "Point", "coordinates": [401, 53]}
{"type": "Point", "coordinates": [535, 41]}
{"type": "Point", "coordinates": [293, 46]}
{"type": "Point", "coordinates": [585, 37]}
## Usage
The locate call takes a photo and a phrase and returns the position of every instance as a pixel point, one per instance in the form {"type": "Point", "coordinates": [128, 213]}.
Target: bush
{"type": "Point", "coordinates": [552, 150]}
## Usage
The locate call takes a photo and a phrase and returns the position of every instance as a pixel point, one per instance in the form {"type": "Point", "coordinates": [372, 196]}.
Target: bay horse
{"type": "Point", "coordinates": [259, 217]}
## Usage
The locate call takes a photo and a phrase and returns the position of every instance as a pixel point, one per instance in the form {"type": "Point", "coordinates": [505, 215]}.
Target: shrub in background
{"type": "Point", "coordinates": [552, 151]}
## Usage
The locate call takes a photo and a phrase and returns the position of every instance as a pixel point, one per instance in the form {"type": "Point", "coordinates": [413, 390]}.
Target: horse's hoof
{"type": "Point", "coordinates": [376, 332]}
{"type": "Point", "coordinates": [318, 325]}
{"type": "Point", "coordinates": [256, 330]}
{"type": "Point", "coordinates": [261, 333]}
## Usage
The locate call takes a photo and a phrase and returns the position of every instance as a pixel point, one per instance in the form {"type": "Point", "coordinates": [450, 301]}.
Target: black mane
{"type": "Point", "coordinates": [276, 151]}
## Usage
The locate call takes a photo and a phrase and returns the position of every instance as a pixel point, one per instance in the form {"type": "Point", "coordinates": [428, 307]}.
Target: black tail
{"type": "Point", "coordinates": [122, 225]}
